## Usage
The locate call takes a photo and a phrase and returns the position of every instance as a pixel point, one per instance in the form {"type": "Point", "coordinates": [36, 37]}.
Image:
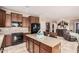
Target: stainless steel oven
{"type": "Point", "coordinates": [17, 38]}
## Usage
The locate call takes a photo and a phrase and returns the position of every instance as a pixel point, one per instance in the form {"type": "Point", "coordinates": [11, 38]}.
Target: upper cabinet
{"type": "Point", "coordinates": [16, 17]}
{"type": "Point", "coordinates": [25, 22]}
{"type": "Point", "coordinates": [8, 20]}
{"type": "Point", "coordinates": [19, 17]}
{"type": "Point", "coordinates": [33, 19]}
{"type": "Point", "coordinates": [2, 18]}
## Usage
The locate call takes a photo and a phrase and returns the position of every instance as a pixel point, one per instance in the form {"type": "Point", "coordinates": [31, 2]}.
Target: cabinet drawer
{"type": "Point", "coordinates": [8, 40]}
{"type": "Point", "coordinates": [36, 48]}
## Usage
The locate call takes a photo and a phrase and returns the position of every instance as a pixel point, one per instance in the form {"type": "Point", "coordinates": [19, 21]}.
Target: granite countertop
{"type": "Point", "coordinates": [1, 39]}
{"type": "Point", "coordinates": [50, 41]}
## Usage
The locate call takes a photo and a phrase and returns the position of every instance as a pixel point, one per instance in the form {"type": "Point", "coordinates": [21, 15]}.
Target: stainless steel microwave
{"type": "Point", "coordinates": [16, 24]}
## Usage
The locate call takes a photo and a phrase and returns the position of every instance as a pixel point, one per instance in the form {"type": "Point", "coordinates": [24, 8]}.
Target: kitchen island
{"type": "Point", "coordinates": [42, 45]}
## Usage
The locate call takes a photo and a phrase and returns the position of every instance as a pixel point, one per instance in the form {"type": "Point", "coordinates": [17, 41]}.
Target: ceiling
{"type": "Point", "coordinates": [51, 12]}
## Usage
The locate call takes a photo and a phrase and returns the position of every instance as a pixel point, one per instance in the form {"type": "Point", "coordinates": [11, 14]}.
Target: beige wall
{"type": "Point", "coordinates": [43, 24]}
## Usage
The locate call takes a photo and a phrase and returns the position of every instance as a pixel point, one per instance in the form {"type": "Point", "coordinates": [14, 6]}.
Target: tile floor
{"type": "Point", "coordinates": [20, 48]}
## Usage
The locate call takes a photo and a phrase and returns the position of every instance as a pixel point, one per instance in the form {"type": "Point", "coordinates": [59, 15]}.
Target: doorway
{"type": "Point", "coordinates": [77, 27]}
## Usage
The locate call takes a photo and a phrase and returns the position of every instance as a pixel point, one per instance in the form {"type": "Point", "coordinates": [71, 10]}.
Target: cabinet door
{"type": "Point", "coordinates": [8, 20]}
{"type": "Point", "coordinates": [27, 43]}
{"type": "Point", "coordinates": [45, 48]}
{"type": "Point", "coordinates": [19, 17]}
{"type": "Point", "coordinates": [25, 22]}
{"type": "Point", "coordinates": [14, 16]}
{"type": "Point", "coordinates": [31, 46]}
{"type": "Point", "coordinates": [32, 19]}
{"type": "Point", "coordinates": [36, 48]}
{"type": "Point", "coordinates": [8, 40]}
{"type": "Point", "coordinates": [2, 18]}
{"type": "Point", "coordinates": [36, 19]}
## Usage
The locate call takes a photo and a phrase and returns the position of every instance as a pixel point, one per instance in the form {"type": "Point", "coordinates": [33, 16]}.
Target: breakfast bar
{"type": "Point", "coordinates": [46, 44]}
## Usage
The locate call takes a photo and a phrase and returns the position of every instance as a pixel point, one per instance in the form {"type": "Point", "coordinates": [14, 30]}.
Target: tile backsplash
{"type": "Point", "coordinates": [13, 30]}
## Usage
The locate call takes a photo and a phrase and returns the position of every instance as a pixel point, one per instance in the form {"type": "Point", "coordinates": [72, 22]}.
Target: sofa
{"type": "Point", "coordinates": [69, 37]}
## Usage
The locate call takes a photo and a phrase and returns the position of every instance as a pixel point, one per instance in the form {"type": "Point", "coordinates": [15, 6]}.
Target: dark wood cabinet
{"type": "Point", "coordinates": [13, 16]}
{"type": "Point", "coordinates": [45, 49]}
{"type": "Point", "coordinates": [27, 43]}
{"type": "Point", "coordinates": [8, 20]}
{"type": "Point", "coordinates": [33, 19]}
{"type": "Point", "coordinates": [16, 17]}
{"type": "Point", "coordinates": [2, 18]}
{"type": "Point", "coordinates": [8, 40]}
{"type": "Point", "coordinates": [19, 17]}
{"type": "Point", "coordinates": [25, 22]}
{"type": "Point", "coordinates": [31, 45]}
{"type": "Point", "coordinates": [36, 47]}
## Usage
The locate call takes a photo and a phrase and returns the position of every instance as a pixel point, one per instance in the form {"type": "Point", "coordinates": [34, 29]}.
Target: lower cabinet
{"type": "Point", "coordinates": [36, 46]}
{"type": "Point", "coordinates": [27, 43]}
{"type": "Point", "coordinates": [31, 45]}
{"type": "Point", "coordinates": [8, 40]}
{"type": "Point", "coordinates": [45, 49]}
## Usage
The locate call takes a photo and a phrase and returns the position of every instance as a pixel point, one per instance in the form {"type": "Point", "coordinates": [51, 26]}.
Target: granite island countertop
{"type": "Point", "coordinates": [50, 41]}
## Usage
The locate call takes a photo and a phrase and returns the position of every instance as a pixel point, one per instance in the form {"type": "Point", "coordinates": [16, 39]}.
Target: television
{"type": "Point", "coordinates": [35, 27]}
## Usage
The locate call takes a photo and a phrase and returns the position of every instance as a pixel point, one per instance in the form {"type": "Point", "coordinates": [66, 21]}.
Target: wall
{"type": "Point", "coordinates": [43, 24]}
